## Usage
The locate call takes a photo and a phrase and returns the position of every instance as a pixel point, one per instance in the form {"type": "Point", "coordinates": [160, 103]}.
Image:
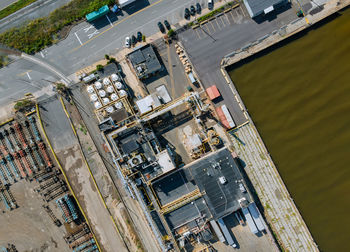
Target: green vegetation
{"type": "Point", "coordinates": [171, 33]}
{"type": "Point", "coordinates": [143, 38]}
{"type": "Point", "coordinates": [99, 67]}
{"type": "Point", "coordinates": [15, 7]}
{"type": "Point", "coordinates": [42, 32]}
{"type": "Point", "coordinates": [106, 56]}
{"type": "Point", "coordinates": [211, 14]}
{"type": "Point", "coordinates": [3, 61]}
{"type": "Point", "coordinates": [24, 105]}
{"type": "Point", "coordinates": [111, 60]}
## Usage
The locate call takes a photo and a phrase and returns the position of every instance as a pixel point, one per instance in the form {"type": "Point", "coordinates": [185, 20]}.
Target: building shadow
{"type": "Point", "coordinates": [135, 6]}
{"type": "Point", "coordinates": [273, 15]}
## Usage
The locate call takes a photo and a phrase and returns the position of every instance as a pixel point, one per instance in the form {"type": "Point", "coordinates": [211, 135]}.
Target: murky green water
{"type": "Point", "coordinates": [299, 97]}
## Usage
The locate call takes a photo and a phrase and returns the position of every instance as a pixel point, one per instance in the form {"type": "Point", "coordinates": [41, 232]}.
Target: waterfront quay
{"type": "Point", "coordinates": [280, 210]}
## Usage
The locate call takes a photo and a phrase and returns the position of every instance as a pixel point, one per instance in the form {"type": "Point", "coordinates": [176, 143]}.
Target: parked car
{"type": "Point", "coordinates": [199, 8]}
{"type": "Point", "coordinates": [127, 42]}
{"type": "Point", "coordinates": [210, 4]}
{"type": "Point", "coordinates": [192, 10]}
{"type": "Point", "coordinates": [187, 13]}
{"type": "Point", "coordinates": [167, 25]}
{"type": "Point", "coordinates": [115, 9]}
{"type": "Point", "coordinates": [161, 27]}
{"type": "Point", "coordinates": [133, 40]}
{"type": "Point", "coordinates": [139, 36]}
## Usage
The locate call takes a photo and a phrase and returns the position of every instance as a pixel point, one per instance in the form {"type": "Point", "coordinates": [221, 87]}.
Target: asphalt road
{"type": "Point", "coordinates": [88, 43]}
{"type": "Point", "coordinates": [207, 46]}
{"type": "Point", "coordinates": [38, 9]}
{"type": "Point", "coordinates": [5, 3]}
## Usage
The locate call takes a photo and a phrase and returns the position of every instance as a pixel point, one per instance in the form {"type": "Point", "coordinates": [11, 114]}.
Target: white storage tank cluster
{"type": "Point", "coordinates": [105, 91]}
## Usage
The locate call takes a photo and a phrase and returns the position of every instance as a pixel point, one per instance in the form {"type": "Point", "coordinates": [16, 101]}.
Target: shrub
{"type": "Point", "coordinates": [106, 56]}
{"type": "Point", "coordinates": [99, 67]}
{"type": "Point", "coordinates": [143, 38]}
{"type": "Point", "coordinates": [24, 105]}
{"type": "Point", "coordinates": [112, 60]}
{"type": "Point", "coordinates": [171, 33]}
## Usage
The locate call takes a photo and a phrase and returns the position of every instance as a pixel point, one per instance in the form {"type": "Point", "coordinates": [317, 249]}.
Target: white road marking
{"type": "Point", "coordinates": [109, 20]}
{"type": "Point", "coordinates": [29, 76]}
{"type": "Point", "coordinates": [88, 28]}
{"type": "Point", "coordinates": [93, 34]}
{"type": "Point", "coordinates": [78, 38]}
{"type": "Point", "coordinates": [42, 55]}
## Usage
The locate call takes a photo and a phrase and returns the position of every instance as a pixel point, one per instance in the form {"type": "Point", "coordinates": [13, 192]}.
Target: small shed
{"type": "Point", "coordinates": [213, 92]}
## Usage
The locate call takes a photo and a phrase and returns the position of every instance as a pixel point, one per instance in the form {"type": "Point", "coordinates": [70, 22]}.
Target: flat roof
{"type": "Point", "coordinates": [145, 59]}
{"type": "Point", "coordinates": [257, 7]}
{"type": "Point", "coordinates": [222, 199]}
{"type": "Point", "coordinates": [187, 213]}
{"type": "Point", "coordinates": [173, 186]}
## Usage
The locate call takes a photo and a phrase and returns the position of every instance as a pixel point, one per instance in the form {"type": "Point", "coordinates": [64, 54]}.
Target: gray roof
{"type": "Point", "coordinates": [256, 7]}
{"type": "Point", "coordinates": [147, 59]}
{"type": "Point", "coordinates": [222, 199]}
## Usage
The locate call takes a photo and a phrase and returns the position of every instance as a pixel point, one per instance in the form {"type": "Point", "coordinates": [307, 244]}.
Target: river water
{"type": "Point", "coordinates": [298, 94]}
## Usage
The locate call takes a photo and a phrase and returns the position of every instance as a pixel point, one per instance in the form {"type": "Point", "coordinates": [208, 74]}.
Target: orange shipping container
{"type": "Point", "coordinates": [213, 92]}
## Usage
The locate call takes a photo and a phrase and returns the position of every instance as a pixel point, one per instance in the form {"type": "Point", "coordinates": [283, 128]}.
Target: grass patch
{"type": "Point", "coordinates": [14, 7]}
{"type": "Point", "coordinates": [42, 32]}
{"type": "Point", "coordinates": [211, 14]}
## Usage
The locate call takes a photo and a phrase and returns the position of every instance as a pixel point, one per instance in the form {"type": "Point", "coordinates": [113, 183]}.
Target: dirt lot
{"type": "Point", "coordinates": [29, 227]}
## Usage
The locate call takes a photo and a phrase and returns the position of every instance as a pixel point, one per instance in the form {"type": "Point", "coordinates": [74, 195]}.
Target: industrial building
{"type": "Point", "coordinates": [145, 61]}
{"type": "Point", "coordinates": [257, 8]}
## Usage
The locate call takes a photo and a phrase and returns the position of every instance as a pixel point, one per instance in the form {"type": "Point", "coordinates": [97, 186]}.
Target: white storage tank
{"type": "Point", "coordinates": [90, 89]}
{"type": "Point", "coordinates": [98, 85]}
{"type": "Point", "coordinates": [115, 77]}
{"type": "Point", "coordinates": [118, 85]}
{"type": "Point", "coordinates": [93, 97]}
{"type": "Point", "coordinates": [109, 109]}
{"type": "Point", "coordinates": [110, 89]}
{"type": "Point", "coordinates": [118, 105]}
{"type": "Point", "coordinates": [105, 101]}
{"type": "Point", "coordinates": [122, 92]}
{"type": "Point", "coordinates": [102, 93]}
{"type": "Point", "coordinates": [97, 105]}
{"type": "Point", "coordinates": [106, 81]}
{"type": "Point", "coordinates": [114, 97]}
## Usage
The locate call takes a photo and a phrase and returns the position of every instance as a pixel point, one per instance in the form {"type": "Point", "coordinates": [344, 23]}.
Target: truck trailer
{"type": "Point", "coordinates": [217, 231]}
{"type": "Point", "coordinates": [227, 234]}
{"type": "Point", "coordinates": [249, 220]}
{"type": "Point", "coordinates": [256, 216]}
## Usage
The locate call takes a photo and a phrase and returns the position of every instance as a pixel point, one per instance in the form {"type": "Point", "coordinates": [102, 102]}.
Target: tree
{"type": "Point", "coordinates": [99, 67]}
{"type": "Point", "coordinates": [107, 57]}
{"type": "Point", "coordinates": [143, 38]}
{"type": "Point", "coordinates": [171, 33]}
{"type": "Point", "coordinates": [24, 105]}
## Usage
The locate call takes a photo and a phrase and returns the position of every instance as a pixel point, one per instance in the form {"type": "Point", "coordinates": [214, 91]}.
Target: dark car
{"type": "Point", "coordinates": [161, 27]}
{"type": "Point", "coordinates": [199, 8]}
{"type": "Point", "coordinates": [139, 36]}
{"type": "Point", "coordinates": [187, 13]}
{"type": "Point", "coordinates": [133, 40]}
{"type": "Point", "coordinates": [193, 10]}
{"type": "Point", "coordinates": [210, 4]}
{"type": "Point", "coordinates": [167, 25]}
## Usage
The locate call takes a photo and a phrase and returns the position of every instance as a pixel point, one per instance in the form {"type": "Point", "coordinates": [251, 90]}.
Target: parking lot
{"type": "Point", "coordinates": [210, 42]}
{"type": "Point", "coordinates": [221, 22]}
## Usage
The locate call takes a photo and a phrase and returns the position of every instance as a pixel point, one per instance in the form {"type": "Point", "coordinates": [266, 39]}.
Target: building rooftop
{"type": "Point", "coordinates": [144, 61]}
{"type": "Point", "coordinates": [173, 186]}
{"type": "Point", "coordinates": [222, 199]}
{"type": "Point", "coordinates": [257, 7]}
